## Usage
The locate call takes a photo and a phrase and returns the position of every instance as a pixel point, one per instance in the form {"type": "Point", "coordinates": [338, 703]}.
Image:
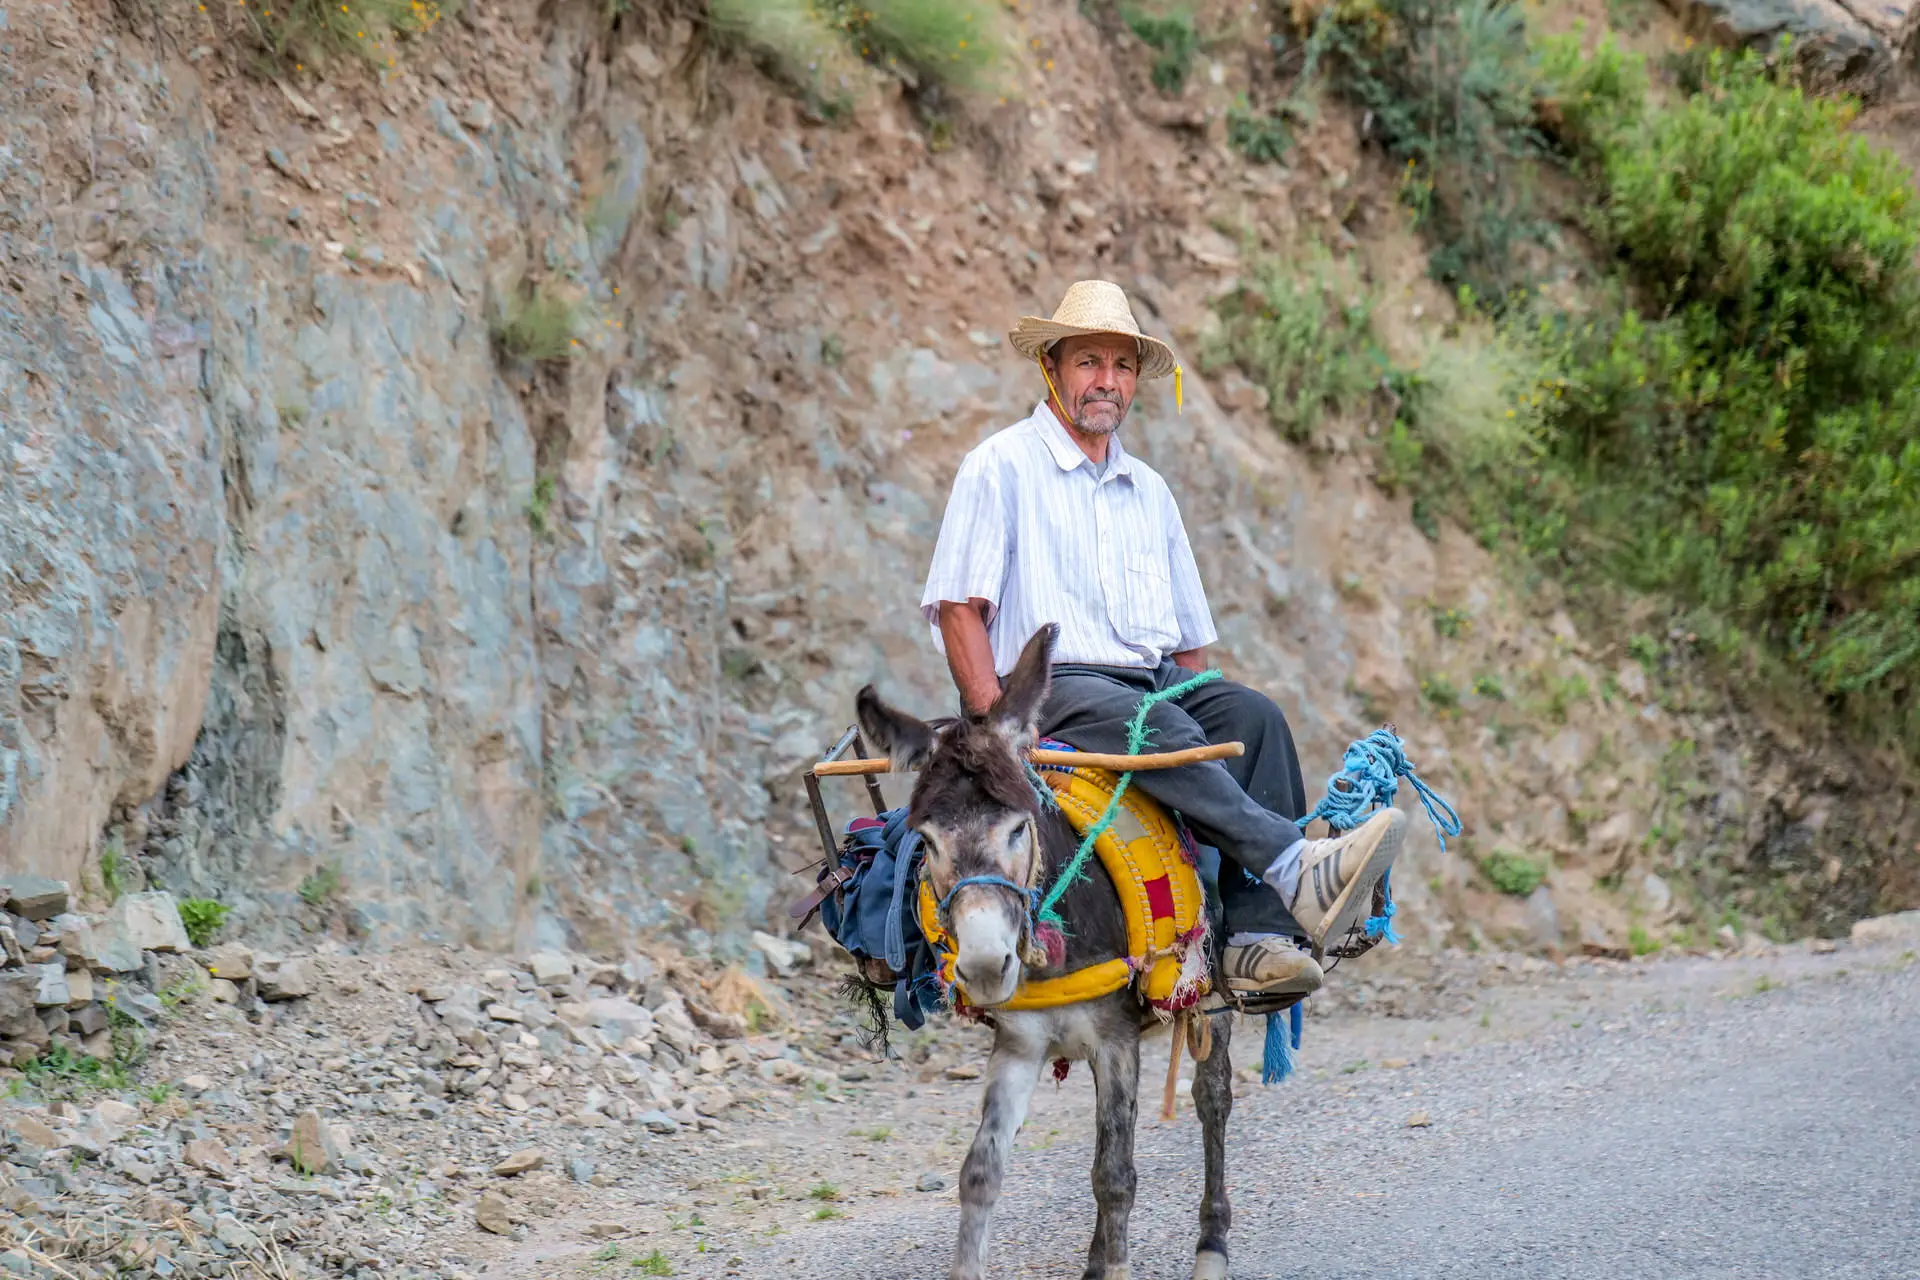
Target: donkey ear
{"type": "Point", "coordinates": [907, 741]}
{"type": "Point", "coordinates": [1017, 713]}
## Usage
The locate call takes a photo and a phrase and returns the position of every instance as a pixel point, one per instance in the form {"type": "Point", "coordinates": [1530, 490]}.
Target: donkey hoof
{"type": "Point", "coordinates": [1208, 1265]}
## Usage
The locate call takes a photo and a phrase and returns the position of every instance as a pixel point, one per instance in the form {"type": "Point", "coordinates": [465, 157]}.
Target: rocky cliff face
{"type": "Point", "coordinates": [320, 600]}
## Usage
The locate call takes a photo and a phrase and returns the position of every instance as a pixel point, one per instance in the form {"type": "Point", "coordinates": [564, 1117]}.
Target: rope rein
{"type": "Point", "coordinates": [1369, 779]}
{"type": "Point", "coordinates": [1136, 744]}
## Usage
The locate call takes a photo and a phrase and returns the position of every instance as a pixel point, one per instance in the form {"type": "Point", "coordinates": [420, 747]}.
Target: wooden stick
{"type": "Point", "coordinates": [1173, 1062]}
{"type": "Point", "coordinates": [1084, 759]}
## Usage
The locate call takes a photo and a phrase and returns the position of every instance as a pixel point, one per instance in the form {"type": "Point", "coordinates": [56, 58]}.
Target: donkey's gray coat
{"type": "Point", "coordinates": [978, 816]}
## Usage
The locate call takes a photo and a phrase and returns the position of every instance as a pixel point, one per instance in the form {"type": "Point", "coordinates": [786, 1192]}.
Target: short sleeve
{"type": "Point", "coordinates": [976, 536]}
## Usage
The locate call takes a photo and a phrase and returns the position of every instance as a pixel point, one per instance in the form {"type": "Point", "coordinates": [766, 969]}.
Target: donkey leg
{"type": "Point", "coordinates": [1116, 1083]}
{"type": "Point", "coordinates": [1213, 1102]}
{"type": "Point", "coordinates": [1011, 1074]}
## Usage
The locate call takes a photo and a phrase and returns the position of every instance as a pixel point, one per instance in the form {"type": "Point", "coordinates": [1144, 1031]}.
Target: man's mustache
{"type": "Point", "coordinates": [1092, 397]}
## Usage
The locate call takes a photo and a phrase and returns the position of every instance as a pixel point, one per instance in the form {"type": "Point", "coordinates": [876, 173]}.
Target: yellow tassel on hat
{"type": "Point", "coordinates": [1050, 388]}
{"type": "Point", "coordinates": [1179, 401]}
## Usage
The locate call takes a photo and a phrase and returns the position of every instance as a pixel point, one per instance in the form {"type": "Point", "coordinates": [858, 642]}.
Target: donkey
{"type": "Point", "coordinates": [989, 841]}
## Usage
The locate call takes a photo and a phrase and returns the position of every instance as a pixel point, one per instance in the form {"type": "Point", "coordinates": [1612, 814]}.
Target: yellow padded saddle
{"type": "Point", "coordinates": [1159, 890]}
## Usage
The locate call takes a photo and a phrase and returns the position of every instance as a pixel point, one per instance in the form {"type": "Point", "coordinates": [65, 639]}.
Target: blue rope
{"type": "Point", "coordinates": [1136, 743]}
{"type": "Point", "coordinates": [1369, 778]}
{"type": "Point", "coordinates": [1282, 1042]}
{"type": "Point", "coordinates": [1030, 896]}
{"type": "Point", "coordinates": [1041, 791]}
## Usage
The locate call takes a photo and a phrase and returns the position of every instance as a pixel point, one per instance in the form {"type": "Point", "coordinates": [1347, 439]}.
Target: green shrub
{"type": "Point", "coordinates": [954, 42]}
{"type": "Point", "coordinates": [1450, 86]}
{"type": "Point", "coordinates": [1746, 441]}
{"type": "Point", "coordinates": [1303, 329]}
{"type": "Point", "coordinates": [540, 506]}
{"type": "Point", "coordinates": [814, 44]}
{"type": "Point", "coordinates": [1260, 136]}
{"type": "Point", "coordinates": [805, 45]}
{"type": "Point", "coordinates": [1587, 100]}
{"type": "Point", "coordinates": [539, 323]}
{"type": "Point", "coordinates": [321, 885]}
{"type": "Point", "coordinates": [203, 918]}
{"type": "Point", "coordinates": [1173, 39]}
{"type": "Point", "coordinates": [1640, 942]}
{"type": "Point", "coordinates": [1513, 873]}
{"type": "Point", "coordinates": [1489, 686]}
{"type": "Point", "coordinates": [321, 30]}
{"type": "Point", "coordinates": [1440, 692]}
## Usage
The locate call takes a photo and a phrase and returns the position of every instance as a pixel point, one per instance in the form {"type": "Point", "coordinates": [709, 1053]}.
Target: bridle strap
{"type": "Point", "coordinates": [1031, 897]}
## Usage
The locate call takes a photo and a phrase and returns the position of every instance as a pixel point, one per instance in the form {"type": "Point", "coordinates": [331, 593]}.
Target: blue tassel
{"type": "Point", "coordinates": [1381, 926]}
{"type": "Point", "coordinates": [1276, 1062]}
{"type": "Point", "coordinates": [1298, 1016]}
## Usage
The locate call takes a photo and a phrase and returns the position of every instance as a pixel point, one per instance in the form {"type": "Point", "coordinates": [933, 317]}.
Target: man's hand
{"type": "Point", "coordinates": [963, 629]}
{"type": "Point", "coordinates": [1192, 659]}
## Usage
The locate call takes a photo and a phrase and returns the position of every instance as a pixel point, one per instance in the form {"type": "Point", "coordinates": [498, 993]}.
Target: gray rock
{"type": "Point", "coordinates": [580, 1170]}
{"type": "Point", "coordinates": [36, 897]}
{"type": "Point", "coordinates": [232, 961]}
{"type": "Point", "coordinates": [494, 1213]}
{"type": "Point", "coordinates": [637, 973]}
{"type": "Point", "coordinates": [50, 990]}
{"type": "Point", "coordinates": [282, 978]}
{"type": "Point", "coordinates": [657, 1122]}
{"type": "Point", "coordinates": [931, 1181]}
{"type": "Point", "coordinates": [550, 968]}
{"type": "Point", "coordinates": [1901, 927]}
{"type": "Point", "coordinates": [1852, 46]}
{"type": "Point", "coordinates": [18, 989]}
{"type": "Point", "coordinates": [100, 947]}
{"type": "Point", "coordinates": [229, 1231]}
{"type": "Point", "coordinates": [150, 921]}
{"type": "Point", "coordinates": [143, 1007]}
{"type": "Point", "coordinates": [313, 1146]}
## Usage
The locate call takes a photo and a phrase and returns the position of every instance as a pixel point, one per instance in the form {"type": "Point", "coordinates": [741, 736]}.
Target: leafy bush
{"type": "Point", "coordinates": [321, 885]}
{"type": "Point", "coordinates": [203, 918]}
{"type": "Point", "coordinates": [1748, 438]}
{"type": "Point", "coordinates": [1450, 86]}
{"type": "Point", "coordinates": [1302, 328]}
{"type": "Point", "coordinates": [319, 30]}
{"type": "Point", "coordinates": [539, 323]}
{"type": "Point", "coordinates": [1586, 100]}
{"type": "Point", "coordinates": [1260, 136]}
{"type": "Point", "coordinates": [1513, 873]}
{"type": "Point", "coordinates": [805, 45]}
{"type": "Point", "coordinates": [813, 44]}
{"type": "Point", "coordinates": [1172, 37]}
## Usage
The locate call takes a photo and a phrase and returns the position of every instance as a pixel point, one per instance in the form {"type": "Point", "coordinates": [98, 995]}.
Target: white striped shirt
{"type": "Point", "coordinates": [1036, 533]}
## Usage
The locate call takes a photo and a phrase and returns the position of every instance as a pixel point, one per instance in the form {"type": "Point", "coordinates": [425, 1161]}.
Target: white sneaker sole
{"type": "Point", "coordinates": [1358, 894]}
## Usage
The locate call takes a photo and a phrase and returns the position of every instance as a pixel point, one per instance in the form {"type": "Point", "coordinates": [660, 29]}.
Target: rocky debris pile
{"type": "Point", "coordinates": [68, 980]}
{"type": "Point", "coordinates": [337, 1114]}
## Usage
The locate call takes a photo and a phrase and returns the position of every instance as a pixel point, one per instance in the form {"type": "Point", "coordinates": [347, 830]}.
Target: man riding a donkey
{"type": "Point", "coordinates": [1065, 596]}
{"type": "Point", "coordinates": [1053, 521]}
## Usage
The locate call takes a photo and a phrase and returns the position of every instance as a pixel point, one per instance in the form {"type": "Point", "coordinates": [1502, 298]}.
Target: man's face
{"type": "Point", "coordinates": [1095, 377]}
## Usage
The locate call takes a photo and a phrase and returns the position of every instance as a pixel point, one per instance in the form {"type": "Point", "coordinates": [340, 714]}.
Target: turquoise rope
{"type": "Point", "coordinates": [1136, 743]}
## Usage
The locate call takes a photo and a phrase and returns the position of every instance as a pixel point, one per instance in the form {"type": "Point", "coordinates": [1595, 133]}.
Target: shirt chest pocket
{"type": "Point", "coordinates": [1150, 600]}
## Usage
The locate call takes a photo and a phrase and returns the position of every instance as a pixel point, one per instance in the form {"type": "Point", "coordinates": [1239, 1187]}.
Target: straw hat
{"type": "Point", "coordinates": [1092, 306]}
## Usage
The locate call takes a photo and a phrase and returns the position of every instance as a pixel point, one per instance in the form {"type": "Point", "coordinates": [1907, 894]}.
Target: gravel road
{"type": "Point", "coordinates": [1687, 1118]}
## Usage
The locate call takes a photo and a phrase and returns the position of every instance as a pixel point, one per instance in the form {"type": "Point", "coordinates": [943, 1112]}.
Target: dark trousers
{"type": "Point", "coordinates": [1243, 806]}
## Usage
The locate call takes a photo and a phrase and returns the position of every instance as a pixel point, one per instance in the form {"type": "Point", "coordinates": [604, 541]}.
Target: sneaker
{"type": "Point", "coordinates": [1337, 875]}
{"type": "Point", "coordinates": [1271, 967]}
